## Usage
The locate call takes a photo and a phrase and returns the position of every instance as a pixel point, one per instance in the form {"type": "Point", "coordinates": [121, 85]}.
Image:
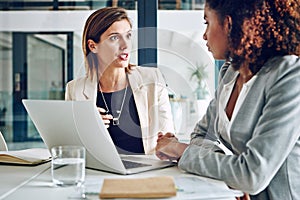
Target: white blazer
{"type": "Point", "coordinates": [151, 98]}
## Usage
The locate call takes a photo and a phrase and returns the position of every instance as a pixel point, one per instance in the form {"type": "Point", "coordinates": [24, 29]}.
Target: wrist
{"type": "Point", "coordinates": [180, 148]}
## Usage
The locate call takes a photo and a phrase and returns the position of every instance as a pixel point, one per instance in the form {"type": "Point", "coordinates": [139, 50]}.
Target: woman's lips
{"type": "Point", "coordinates": [208, 48]}
{"type": "Point", "coordinates": [123, 56]}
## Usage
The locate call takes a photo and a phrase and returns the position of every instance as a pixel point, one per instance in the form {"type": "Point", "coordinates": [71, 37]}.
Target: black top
{"type": "Point", "coordinates": [127, 136]}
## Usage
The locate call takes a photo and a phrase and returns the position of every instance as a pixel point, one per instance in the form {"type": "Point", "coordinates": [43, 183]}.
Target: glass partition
{"type": "Point", "coordinates": [187, 65]}
{"type": "Point", "coordinates": [45, 70]}
{"type": "Point", "coordinates": [95, 4]}
{"type": "Point", "coordinates": [6, 84]}
{"type": "Point", "coordinates": [32, 66]}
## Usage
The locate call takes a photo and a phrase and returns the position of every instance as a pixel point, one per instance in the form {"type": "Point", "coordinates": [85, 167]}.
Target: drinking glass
{"type": "Point", "coordinates": [68, 165]}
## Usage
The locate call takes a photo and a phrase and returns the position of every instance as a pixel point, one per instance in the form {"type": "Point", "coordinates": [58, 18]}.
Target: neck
{"type": "Point", "coordinates": [245, 74]}
{"type": "Point", "coordinates": [113, 80]}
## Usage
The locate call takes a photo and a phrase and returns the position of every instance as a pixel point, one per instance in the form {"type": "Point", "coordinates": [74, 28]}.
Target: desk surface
{"type": "Point", "coordinates": [18, 182]}
{"type": "Point", "coordinates": [14, 177]}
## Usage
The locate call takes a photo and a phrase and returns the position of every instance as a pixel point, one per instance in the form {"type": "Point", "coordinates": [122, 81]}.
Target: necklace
{"type": "Point", "coordinates": [116, 120]}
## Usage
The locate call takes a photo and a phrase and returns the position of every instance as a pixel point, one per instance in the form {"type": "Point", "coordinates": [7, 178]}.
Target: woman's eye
{"type": "Point", "coordinates": [129, 35]}
{"type": "Point", "coordinates": [113, 38]}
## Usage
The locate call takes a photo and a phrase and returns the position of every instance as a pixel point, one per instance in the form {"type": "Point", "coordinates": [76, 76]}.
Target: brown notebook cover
{"type": "Point", "coordinates": [152, 187]}
{"type": "Point", "coordinates": [33, 156]}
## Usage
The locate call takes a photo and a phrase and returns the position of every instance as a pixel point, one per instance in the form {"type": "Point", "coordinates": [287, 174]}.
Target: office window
{"type": "Point", "coordinates": [182, 52]}
{"type": "Point", "coordinates": [95, 4]}
{"type": "Point", "coordinates": [65, 4]}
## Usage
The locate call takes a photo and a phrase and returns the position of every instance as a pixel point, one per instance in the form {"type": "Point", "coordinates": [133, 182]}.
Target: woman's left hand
{"type": "Point", "coordinates": [105, 117]}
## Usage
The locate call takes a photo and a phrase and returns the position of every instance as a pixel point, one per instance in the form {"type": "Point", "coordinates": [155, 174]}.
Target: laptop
{"type": "Point", "coordinates": [62, 122]}
{"type": "Point", "coordinates": [3, 145]}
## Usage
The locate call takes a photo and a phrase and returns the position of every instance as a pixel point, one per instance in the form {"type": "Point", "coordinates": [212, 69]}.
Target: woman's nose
{"type": "Point", "coordinates": [204, 36]}
{"type": "Point", "coordinates": [124, 43]}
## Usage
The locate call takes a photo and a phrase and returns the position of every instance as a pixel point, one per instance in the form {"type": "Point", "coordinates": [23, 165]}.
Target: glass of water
{"type": "Point", "coordinates": [68, 165]}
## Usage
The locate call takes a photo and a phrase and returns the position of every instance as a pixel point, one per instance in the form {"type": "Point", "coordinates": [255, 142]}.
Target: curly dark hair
{"type": "Point", "coordinates": [261, 29]}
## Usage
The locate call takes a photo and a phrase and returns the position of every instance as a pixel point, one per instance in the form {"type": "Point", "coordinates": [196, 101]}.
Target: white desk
{"type": "Point", "coordinates": [20, 182]}
{"type": "Point", "coordinates": [14, 177]}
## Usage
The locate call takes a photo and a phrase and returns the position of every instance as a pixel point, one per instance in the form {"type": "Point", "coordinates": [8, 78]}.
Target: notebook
{"type": "Point", "coordinates": [62, 122]}
{"type": "Point", "coordinates": [28, 157]}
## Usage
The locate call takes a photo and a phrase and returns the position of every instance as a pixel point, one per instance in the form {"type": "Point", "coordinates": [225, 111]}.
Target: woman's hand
{"type": "Point", "coordinates": [105, 117]}
{"type": "Point", "coordinates": [245, 197]}
{"type": "Point", "coordinates": [168, 147]}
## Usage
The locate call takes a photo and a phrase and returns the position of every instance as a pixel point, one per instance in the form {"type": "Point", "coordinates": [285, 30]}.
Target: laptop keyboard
{"type": "Point", "coordinates": [129, 164]}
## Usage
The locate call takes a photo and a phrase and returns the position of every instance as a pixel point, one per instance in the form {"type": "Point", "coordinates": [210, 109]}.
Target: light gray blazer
{"type": "Point", "coordinates": [150, 95]}
{"type": "Point", "coordinates": [264, 136]}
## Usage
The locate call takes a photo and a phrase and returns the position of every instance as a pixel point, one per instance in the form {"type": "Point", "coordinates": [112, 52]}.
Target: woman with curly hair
{"type": "Point", "coordinates": [250, 135]}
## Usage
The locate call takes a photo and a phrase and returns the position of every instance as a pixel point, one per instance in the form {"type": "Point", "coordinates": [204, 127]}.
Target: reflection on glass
{"type": "Point", "coordinates": [45, 70]}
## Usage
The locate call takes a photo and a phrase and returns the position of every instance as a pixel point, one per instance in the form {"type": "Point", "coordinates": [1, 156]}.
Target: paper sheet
{"type": "Point", "coordinates": [188, 187]}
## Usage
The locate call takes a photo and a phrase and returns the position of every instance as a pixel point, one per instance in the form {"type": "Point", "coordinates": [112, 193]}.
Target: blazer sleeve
{"type": "Point", "coordinates": [68, 95]}
{"type": "Point", "coordinates": [72, 87]}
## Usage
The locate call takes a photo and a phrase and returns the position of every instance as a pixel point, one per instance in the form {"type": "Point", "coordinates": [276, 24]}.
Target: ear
{"type": "Point", "coordinates": [92, 46]}
{"type": "Point", "coordinates": [228, 24]}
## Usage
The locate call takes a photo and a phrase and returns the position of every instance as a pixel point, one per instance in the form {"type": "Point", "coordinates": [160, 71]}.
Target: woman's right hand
{"type": "Point", "coordinates": [105, 117]}
{"type": "Point", "coordinates": [168, 147]}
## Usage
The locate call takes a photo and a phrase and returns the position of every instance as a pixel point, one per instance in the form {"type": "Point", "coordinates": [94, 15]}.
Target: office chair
{"type": "Point", "coordinates": [3, 146]}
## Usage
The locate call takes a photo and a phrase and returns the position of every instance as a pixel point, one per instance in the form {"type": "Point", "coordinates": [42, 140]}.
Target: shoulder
{"type": "Point", "coordinates": [281, 71]}
{"type": "Point", "coordinates": [146, 73]}
{"type": "Point", "coordinates": [79, 82]}
{"type": "Point", "coordinates": [145, 70]}
{"type": "Point", "coordinates": [281, 66]}
{"type": "Point", "coordinates": [282, 62]}
{"type": "Point", "coordinates": [139, 76]}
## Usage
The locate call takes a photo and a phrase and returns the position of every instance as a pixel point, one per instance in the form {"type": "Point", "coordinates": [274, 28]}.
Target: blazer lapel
{"type": "Point", "coordinates": [90, 89]}
{"type": "Point", "coordinates": [140, 96]}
